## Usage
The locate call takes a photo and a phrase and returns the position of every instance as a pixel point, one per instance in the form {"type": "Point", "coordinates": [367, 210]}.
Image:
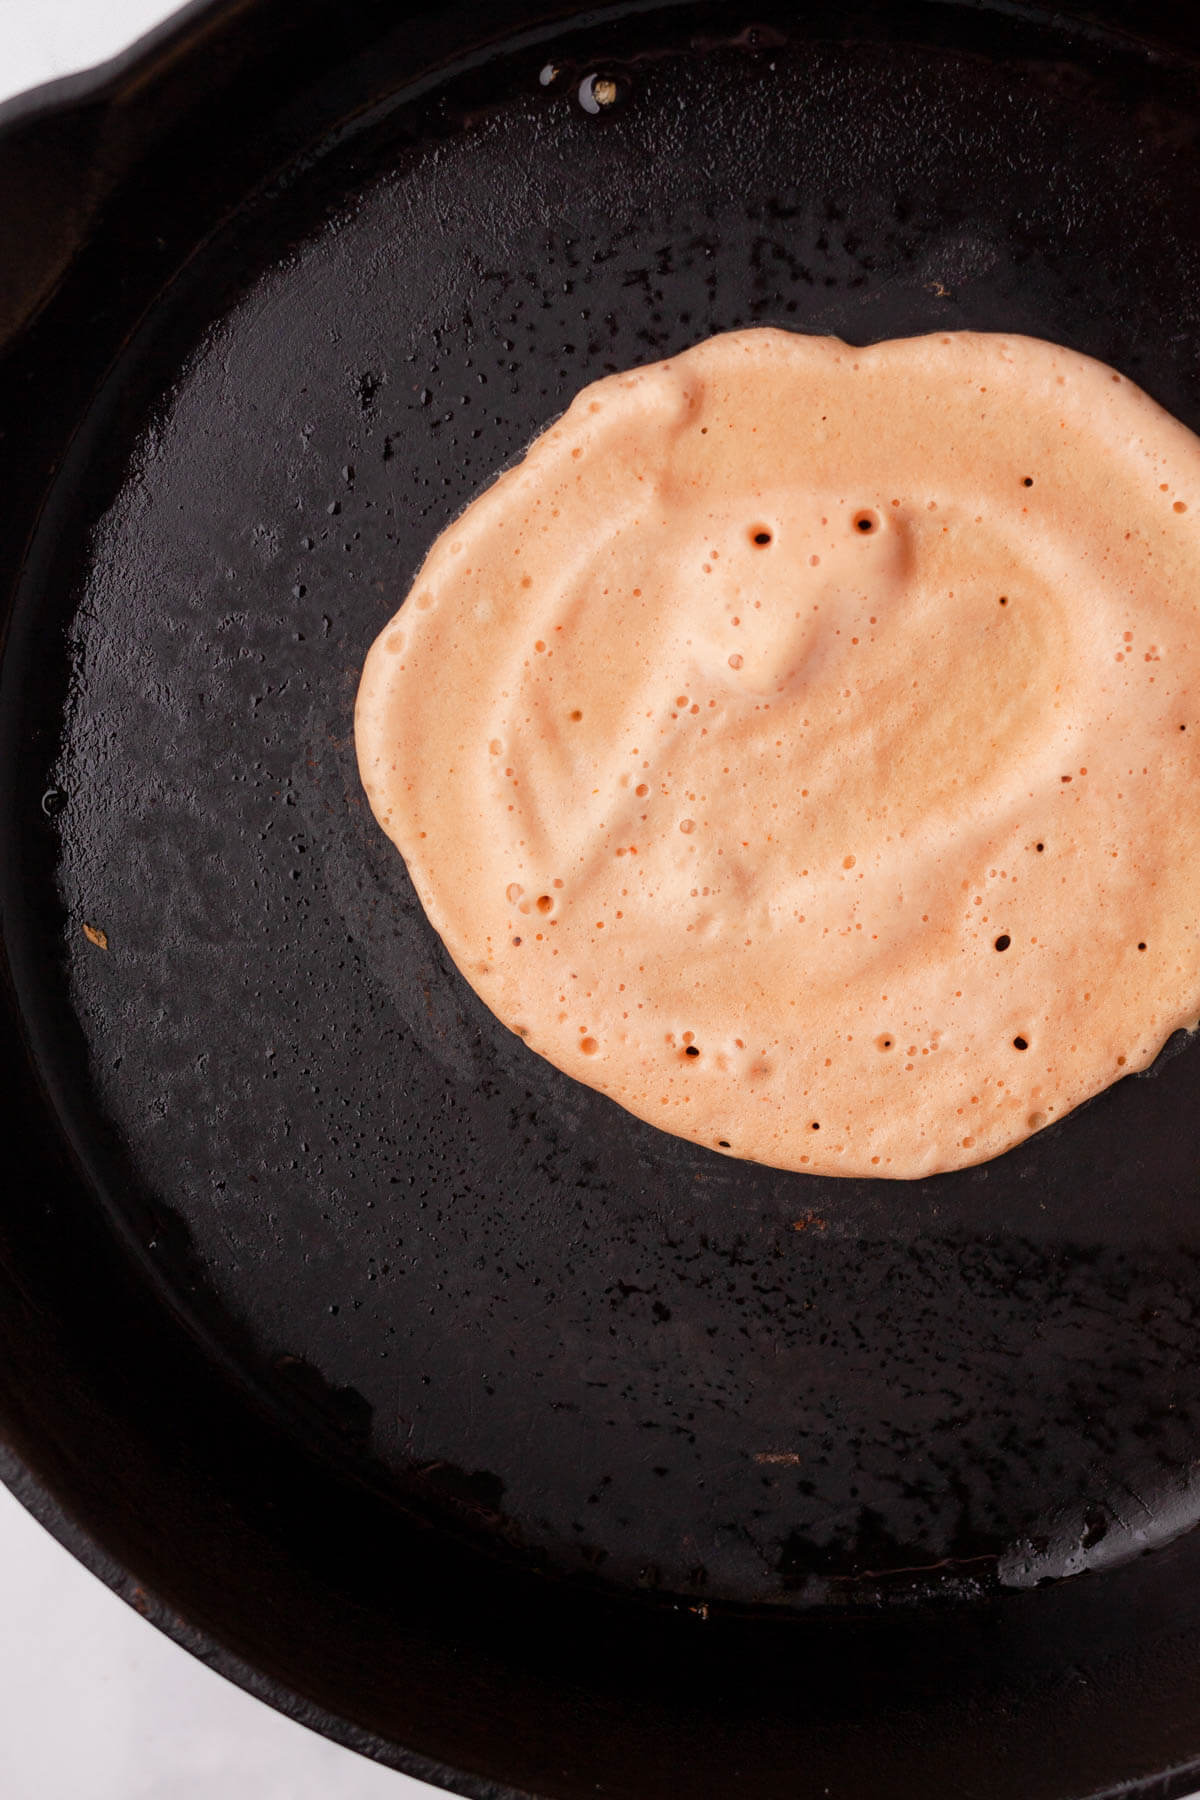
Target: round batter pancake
{"type": "Point", "coordinates": [800, 745]}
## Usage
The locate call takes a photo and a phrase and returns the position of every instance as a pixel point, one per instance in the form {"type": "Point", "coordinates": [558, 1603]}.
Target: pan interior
{"type": "Point", "coordinates": [604, 1350]}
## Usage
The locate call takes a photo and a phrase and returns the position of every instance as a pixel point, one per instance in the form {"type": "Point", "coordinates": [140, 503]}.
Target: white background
{"type": "Point", "coordinates": [97, 1704]}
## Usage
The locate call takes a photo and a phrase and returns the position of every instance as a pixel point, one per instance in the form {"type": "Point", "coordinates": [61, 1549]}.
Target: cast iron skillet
{"type": "Point", "coordinates": [421, 1391]}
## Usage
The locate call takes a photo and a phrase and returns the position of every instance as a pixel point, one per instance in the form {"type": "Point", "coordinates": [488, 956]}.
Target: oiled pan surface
{"type": "Point", "coordinates": [602, 1347]}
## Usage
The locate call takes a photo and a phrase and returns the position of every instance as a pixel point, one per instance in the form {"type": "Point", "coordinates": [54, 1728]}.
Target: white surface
{"type": "Point", "coordinates": [40, 39]}
{"type": "Point", "coordinates": [98, 1705]}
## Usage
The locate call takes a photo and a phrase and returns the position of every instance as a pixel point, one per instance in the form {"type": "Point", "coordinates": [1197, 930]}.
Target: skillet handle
{"type": "Point", "coordinates": [52, 182]}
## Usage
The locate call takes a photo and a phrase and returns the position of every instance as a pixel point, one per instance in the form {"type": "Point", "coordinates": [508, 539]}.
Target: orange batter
{"type": "Point", "coordinates": [801, 744]}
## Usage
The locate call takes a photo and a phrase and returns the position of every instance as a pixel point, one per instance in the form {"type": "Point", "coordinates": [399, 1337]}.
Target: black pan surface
{"type": "Point", "coordinates": [638, 1470]}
